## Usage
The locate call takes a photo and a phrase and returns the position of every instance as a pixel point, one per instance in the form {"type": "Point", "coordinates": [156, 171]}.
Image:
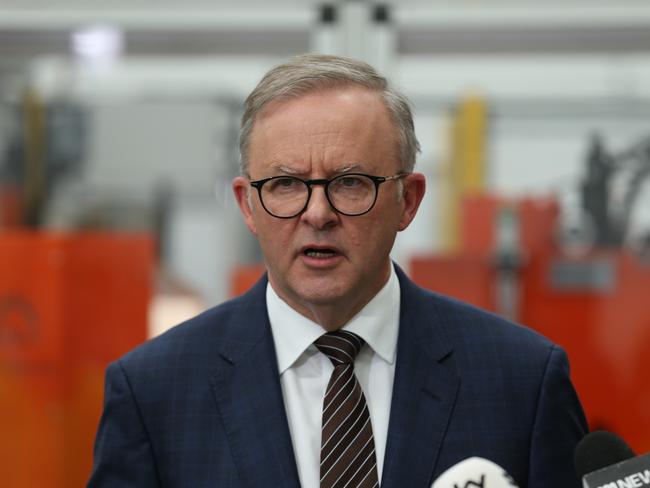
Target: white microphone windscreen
{"type": "Point", "coordinates": [475, 472]}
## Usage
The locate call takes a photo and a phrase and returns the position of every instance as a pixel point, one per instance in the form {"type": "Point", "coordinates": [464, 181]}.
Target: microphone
{"type": "Point", "coordinates": [604, 460]}
{"type": "Point", "coordinates": [475, 472]}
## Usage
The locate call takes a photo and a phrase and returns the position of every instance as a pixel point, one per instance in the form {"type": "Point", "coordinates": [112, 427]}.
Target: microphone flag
{"type": "Point", "coordinates": [632, 473]}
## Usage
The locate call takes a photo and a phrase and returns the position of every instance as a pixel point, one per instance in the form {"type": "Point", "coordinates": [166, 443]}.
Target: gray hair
{"type": "Point", "coordinates": [312, 72]}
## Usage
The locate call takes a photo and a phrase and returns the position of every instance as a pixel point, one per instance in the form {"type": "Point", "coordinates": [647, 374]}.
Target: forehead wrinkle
{"type": "Point", "coordinates": [286, 169]}
{"type": "Point", "coordinates": [347, 167]}
{"type": "Point", "coordinates": [344, 167]}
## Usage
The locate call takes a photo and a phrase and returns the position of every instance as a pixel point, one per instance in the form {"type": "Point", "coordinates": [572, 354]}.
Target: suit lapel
{"type": "Point", "coordinates": [249, 398]}
{"type": "Point", "coordinates": [424, 394]}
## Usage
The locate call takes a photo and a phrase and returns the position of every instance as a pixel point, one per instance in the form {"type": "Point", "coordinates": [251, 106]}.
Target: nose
{"type": "Point", "coordinates": [319, 213]}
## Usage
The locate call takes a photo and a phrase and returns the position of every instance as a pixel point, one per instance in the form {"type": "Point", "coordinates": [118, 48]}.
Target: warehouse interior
{"type": "Point", "coordinates": [118, 144]}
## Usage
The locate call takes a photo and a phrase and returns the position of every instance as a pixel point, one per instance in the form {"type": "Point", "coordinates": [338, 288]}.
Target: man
{"type": "Point", "coordinates": [335, 369]}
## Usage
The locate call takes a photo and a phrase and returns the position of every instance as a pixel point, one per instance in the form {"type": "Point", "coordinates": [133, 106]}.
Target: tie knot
{"type": "Point", "coordinates": [340, 346]}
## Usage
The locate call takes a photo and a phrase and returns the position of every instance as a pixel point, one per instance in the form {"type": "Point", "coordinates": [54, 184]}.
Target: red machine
{"type": "Point", "coordinates": [69, 304]}
{"type": "Point", "coordinates": [593, 303]}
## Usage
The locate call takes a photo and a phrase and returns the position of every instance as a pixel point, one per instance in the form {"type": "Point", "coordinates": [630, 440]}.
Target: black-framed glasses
{"type": "Point", "coordinates": [349, 194]}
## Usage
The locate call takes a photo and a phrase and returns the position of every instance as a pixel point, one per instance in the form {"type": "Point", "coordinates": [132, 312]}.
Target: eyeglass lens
{"type": "Point", "coordinates": [287, 196]}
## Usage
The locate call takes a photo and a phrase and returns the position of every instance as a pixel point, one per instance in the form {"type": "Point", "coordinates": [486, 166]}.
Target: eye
{"type": "Point", "coordinates": [349, 181]}
{"type": "Point", "coordinates": [284, 184]}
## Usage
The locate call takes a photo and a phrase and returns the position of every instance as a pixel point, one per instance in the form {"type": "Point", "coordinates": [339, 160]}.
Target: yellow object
{"type": "Point", "coordinates": [34, 141]}
{"type": "Point", "coordinates": [465, 171]}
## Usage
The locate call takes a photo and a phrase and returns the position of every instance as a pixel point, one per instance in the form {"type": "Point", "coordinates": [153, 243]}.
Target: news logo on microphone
{"type": "Point", "coordinates": [604, 460]}
{"type": "Point", "coordinates": [633, 473]}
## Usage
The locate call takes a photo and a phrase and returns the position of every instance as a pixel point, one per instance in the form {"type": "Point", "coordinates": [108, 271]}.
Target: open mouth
{"type": "Point", "coordinates": [319, 253]}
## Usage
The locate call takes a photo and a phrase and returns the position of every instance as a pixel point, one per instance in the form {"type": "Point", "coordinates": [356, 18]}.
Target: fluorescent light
{"type": "Point", "coordinates": [98, 45]}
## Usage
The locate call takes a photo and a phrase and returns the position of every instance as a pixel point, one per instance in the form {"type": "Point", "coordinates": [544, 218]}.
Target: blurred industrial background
{"type": "Point", "coordinates": [118, 142]}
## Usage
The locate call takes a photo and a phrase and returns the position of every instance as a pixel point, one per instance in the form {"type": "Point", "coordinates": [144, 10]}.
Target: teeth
{"type": "Point", "coordinates": [319, 254]}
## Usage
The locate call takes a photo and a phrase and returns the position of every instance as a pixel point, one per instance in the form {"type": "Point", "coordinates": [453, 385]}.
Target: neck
{"type": "Point", "coordinates": [330, 318]}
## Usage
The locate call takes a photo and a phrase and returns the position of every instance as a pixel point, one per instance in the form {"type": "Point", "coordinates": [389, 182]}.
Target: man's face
{"type": "Point", "coordinates": [321, 258]}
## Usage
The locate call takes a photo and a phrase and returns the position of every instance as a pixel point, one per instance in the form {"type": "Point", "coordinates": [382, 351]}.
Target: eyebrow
{"type": "Point", "coordinates": [286, 169]}
{"type": "Point", "coordinates": [293, 171]}
{"type": "Point", "coordinates": [347, 168]}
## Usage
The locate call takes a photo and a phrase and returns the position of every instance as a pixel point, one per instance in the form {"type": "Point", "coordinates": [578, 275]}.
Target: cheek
{"type": "Point", "coordinates": [275, 236]}
{"type": "Point", "coordinates": [371, 238]}
{"type": "Point", "coordinates": [377, 234]}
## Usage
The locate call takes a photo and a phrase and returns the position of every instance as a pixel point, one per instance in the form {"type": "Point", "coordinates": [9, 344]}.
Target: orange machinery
{"type": "Point", "coordinates": [69, 304]}
{"type": "Point", "coordinates": [593, 303]}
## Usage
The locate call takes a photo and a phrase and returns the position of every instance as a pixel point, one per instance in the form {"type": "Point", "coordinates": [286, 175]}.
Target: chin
{"type": "Point", "coordinates": [320, 295]}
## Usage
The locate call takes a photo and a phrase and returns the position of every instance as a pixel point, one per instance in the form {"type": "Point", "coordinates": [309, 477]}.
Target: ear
{"type": "Point", "coordinates": [241, 188]}
{"type": "Point", "coordinates": [412, 193]}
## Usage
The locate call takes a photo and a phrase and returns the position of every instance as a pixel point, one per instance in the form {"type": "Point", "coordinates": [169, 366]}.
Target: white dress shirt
{"type": "Point", "coordinates": [305, 371]}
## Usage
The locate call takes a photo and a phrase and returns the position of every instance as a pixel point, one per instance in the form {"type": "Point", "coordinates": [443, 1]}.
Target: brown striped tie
{"type": "Point", "coordinates": [347, 456]}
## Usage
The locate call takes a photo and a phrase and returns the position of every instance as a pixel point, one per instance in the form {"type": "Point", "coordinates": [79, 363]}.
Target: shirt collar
{"type": "Point", "coordinates": [377, 323]}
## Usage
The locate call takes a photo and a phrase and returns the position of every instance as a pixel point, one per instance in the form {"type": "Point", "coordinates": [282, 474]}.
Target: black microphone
{"type": "Point", "coordinates": [604, 460]}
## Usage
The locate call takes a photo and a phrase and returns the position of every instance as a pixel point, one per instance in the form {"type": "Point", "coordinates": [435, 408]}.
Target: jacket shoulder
{"type": "Point", "coordinates": [477, 335]}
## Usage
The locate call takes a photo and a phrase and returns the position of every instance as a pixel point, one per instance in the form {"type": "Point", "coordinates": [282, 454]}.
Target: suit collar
{"type": "Point", "coordinates": [421, 319]}
{"type": "Point", "coordinates": [247, 325]}
{"type": "Point", "coordinates": [424, 391]}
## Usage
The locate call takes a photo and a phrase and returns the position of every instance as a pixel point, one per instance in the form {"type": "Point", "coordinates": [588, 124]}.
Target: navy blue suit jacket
{"type": "Point", "coordinates": [201, 405]}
